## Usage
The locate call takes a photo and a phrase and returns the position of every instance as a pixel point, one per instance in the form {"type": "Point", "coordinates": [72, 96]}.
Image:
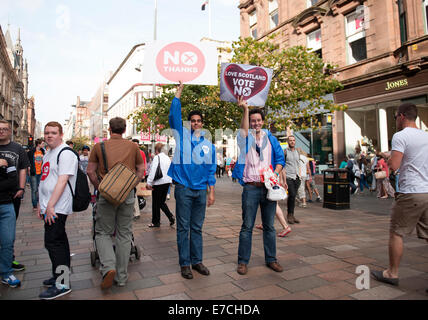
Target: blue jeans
{"type": "Point", "coordinates": [35, 181]}
{"type": "Point", "coordinates": [190, 216]}
{"type": "Point", "coordinates": [7, 238]}
{"type": "Point", "coordinates": [363, 182]}
{"type": "Point", "coordinates": [252, 197]}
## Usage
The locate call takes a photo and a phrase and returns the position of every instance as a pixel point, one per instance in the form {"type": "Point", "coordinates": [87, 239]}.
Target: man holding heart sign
{"type": "Point", "coordinates": [259, 150]}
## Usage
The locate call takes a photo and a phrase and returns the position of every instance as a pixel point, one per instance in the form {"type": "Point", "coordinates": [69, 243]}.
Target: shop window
{"type": "Point", "coordinates": [313, 41]}
{"type": "Point", "coordinates": [311, 3]}
{"type": "Point", "coordinates": [273, 13]}
{"type": "Point", "coordinates": [402, 19]}
{"type": "Point", "coordinates": [356, 36]}
{"type": "Point", "coordinates": [425, 10]}
{"type": "Point", "coordinates": [253, 24]}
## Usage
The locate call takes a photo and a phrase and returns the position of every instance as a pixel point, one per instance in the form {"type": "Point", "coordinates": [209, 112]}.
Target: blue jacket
{"type": "Point", "coordinates": [249, 142]}
{"type": "Point", "coordinates": [194, 161]}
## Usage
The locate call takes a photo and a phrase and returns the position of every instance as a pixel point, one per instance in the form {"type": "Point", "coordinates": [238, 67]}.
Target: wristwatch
{"type": "Point", "coordinates": [21, 189]}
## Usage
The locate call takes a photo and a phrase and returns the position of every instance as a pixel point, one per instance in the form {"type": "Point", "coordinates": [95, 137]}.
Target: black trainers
{"type": "Point", "coordinates": [49, 282]}
{"type": "Point", "coordinates": [53, 293]}
{"type": "Point", "coordinates": [16, 266]}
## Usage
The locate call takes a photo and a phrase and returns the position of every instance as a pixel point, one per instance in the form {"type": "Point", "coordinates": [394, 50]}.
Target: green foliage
{"type": "Point", "coordinates": [79, 142]}
{"type": "Point", "coordinates": [298, 77]}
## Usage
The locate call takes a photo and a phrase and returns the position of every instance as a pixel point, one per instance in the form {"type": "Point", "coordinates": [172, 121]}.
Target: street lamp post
{"type": "Point", "coordinates": [154, 85]}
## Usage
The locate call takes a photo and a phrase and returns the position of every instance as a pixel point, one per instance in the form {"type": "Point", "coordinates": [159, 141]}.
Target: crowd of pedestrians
{"type": "Point", "coordinates": [193, 175]}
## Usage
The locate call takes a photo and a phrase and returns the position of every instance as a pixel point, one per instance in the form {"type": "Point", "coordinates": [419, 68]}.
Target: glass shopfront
{"type": "Point", "coordinates": [372, 127]}
{"type": "Point", "coordinates": [317, 142]}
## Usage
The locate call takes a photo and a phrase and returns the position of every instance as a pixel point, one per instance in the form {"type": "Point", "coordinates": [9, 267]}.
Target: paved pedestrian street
{"type": "Point", "coordinates": [319, 256]}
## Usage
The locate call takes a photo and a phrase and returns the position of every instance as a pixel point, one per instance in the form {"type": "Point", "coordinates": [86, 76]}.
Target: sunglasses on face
{"type": "Point", "coordinates": [396, 115]}
{"type": "Point", "coordinates": [195, 120]}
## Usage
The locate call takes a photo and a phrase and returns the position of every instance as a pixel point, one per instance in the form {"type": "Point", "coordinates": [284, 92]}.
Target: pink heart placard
{"type": "Point", "coordinates": [245, 83]}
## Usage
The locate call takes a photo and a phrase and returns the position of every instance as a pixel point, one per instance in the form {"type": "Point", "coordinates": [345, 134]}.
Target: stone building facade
{"type": "Point", "coordinates": [13, 86]}
{"type": "Point", "coordinates": [380, 48]}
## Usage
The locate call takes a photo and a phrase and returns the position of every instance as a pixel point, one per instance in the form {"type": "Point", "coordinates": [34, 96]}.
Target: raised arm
{"type": "Point", "coordinates": [175, 119]}
{"type": "Point", "coordinates": [245, 122]}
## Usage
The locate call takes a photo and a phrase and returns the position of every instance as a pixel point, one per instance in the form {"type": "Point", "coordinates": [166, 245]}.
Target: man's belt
{"type": "Point", "coordinates": [256, 184]}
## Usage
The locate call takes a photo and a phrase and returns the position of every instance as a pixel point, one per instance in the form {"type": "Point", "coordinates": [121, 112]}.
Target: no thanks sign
{"type": "Point", "coordinates": [192, 63]}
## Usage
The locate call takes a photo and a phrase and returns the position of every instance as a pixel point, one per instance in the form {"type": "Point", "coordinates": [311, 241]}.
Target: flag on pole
{"type": "Point", "coordinates": [204, 4]}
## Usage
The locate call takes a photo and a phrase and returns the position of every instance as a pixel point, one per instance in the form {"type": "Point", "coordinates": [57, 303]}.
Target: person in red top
{"type": "Point", "coordinates": [136, 206]}
{"type": "Point", "coordinates": [384, 187]}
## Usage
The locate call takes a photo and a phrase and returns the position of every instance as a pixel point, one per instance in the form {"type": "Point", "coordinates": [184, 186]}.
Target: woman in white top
{"type": "Point", "coordinates": [159, 186]}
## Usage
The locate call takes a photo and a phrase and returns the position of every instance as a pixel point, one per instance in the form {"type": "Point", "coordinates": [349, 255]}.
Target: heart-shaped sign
{"type": "Point", "coordinates": [245, 83]}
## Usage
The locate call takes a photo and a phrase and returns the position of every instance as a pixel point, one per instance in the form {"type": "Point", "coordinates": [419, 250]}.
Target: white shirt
{"type": "Point", "coordinates": [413, 143]}
{"type": "Point", "coordinates": [51, 171]}
{"type": "Point", "coordinates": [165, 162]}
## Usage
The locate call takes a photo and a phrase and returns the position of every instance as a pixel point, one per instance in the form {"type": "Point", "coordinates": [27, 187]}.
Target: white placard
{"type": "Point", "coordinates": [169, 62]}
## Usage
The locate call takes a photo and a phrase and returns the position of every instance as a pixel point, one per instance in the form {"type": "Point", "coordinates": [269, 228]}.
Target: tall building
{"type": "Point", "coordinates": [380, 48]}
{"type": "Point", "coordinates": [13, 86]}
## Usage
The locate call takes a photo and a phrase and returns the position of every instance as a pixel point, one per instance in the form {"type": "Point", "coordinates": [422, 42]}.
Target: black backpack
{"type": "Point", "coordinates": [82, 195]}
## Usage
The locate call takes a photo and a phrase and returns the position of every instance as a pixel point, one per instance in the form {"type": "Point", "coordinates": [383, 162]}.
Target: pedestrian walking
{"type": "Point", "coordinates": [293, 181]}
{"type": "Point", "coordinates": [384, 188]}
{"type": "Point", "coordinates": [56, 204]}
{"type": "Point", "coordinates": [310, 182]}
{"type": "Point", "coordinates": [303, 176]}
{"type": "Point", "coordinates": [137, 213]}
{"type": "Point", "coordinates": [160, 186]}
{"type": "Point", "coordinates": [364, 172]}
{"type": "Point", "coordinates": [8, 186]}
{"type": "Point", "coordinates": [410, 208]}
{"type": "Point", "coordinates": [353, 173]}
{"type": "Point", "coordinates": [35, 156]}
{"type": "Point", "coordinates": [111, 219]}
{"type": "Point", "coordinates": [259, 150]}
{"type": "Point", "coordinates": [193, 172]}
{"type": "Point", "coordinates": [16, 157]}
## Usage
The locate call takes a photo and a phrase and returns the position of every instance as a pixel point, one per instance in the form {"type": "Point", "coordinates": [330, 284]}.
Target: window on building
{"type": "Point", "coordinates": [425, 9]}
{"type": "Point", "coordinates": [273, 13]}
{"type": "Point", "coordinates": [311, 3]}
{"type": "Point", "coordinates": [314, 42]}
{"type": "Point", "coordinates": [253, 23]}
{"type": "Point", "coordinates": [402, 19]}
{"type": "Point", "coordinates": [356, 36]}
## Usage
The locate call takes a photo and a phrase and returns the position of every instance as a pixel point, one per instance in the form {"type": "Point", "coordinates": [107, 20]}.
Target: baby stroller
{"type": "Point", "coordinates": [135, 250]}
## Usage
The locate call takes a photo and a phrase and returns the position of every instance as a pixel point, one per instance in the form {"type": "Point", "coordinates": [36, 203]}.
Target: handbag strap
{"type": "Point", "coordinates": [103, 152]}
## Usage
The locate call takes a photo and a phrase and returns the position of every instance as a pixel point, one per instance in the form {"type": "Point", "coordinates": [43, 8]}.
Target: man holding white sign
{"type": "Point", "coordinates": [193, 172]}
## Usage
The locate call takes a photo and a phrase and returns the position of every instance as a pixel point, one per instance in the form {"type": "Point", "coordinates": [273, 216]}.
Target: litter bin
{"type": "Point", "coordinates": [336, 189]}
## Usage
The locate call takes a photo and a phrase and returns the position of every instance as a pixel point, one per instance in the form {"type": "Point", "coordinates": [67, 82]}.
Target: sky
{"type": "Point", "coordinates": [70, 45]}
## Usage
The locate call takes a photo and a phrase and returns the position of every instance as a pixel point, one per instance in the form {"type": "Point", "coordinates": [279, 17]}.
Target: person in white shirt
{"type": "Point", "coordinates": [160, 187]}
{"type": "Point", "coordinates": [55, 204]}
{"type": "Point", "coordinates": [410, 209]}
{"type": "Point", "coordinates": [303, 174]}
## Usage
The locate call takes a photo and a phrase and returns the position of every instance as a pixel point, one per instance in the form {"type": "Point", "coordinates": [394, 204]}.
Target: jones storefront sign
{"type": "Point", "coordinates": [192, 63]}
{"type": "Point", "coordinates": [250, 82]}
{"type": "Point", "coordinates": [396, 84]}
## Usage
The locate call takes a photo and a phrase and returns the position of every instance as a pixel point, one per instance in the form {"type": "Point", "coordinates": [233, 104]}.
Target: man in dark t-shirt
{"type": "Point", "coordinates": [15, 156]}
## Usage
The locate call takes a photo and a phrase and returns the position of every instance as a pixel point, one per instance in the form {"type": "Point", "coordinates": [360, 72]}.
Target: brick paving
{"type": "Point", "coordinates": [319, 256]}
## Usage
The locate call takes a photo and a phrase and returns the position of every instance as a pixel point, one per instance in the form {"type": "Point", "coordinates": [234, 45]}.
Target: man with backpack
{"type": "Point", "coordinates": [111, 218]}
{"type": "Point", "coordinates": [55, 205]}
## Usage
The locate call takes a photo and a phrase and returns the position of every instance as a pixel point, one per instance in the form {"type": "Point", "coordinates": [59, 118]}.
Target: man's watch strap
{"type": "Point", "coordinates": [23, 189]}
